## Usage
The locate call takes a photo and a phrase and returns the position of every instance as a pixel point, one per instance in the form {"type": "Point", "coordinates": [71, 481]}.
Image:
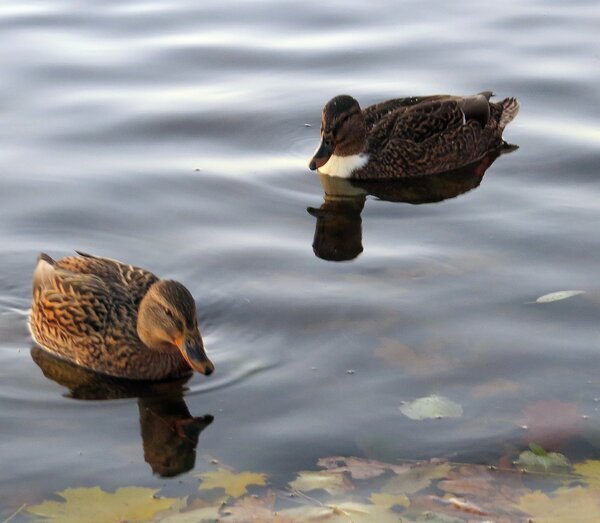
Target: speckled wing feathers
{"type": "Point", "coordinates": [85, 310]}
{"type": "Point", "coordinates": [427, 135]}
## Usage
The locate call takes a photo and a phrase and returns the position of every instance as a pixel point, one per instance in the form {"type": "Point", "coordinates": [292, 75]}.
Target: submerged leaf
{"type": "Point", "coordinates": [556, 296]}
{"type": "Point", "coordinates": [360, 468]}
{"type": "Point", "coordinates": [429, 407]}
{"type": "Point", "coordinates": [93, 505]}
{"type": "Point", "coordinates": [384, 499]}
{"type": "Point", "coordinates": [418, 477]}
{"type": "Point", "coordinates": [332, 482]}
{"type": "Point", "coordinates": [347, 512]}
{"type": "Point", "coordinates": [234, 484]}
{"type": "Point", "coordinates": [253, 508]}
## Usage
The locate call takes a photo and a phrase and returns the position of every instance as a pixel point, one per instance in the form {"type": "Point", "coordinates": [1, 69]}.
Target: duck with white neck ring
{"type": "Point", "coordinates": [409, 136]}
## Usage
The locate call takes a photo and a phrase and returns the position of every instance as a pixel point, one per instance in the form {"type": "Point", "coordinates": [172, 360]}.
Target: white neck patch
{"type": "Point", "coordinates": [344, 166]}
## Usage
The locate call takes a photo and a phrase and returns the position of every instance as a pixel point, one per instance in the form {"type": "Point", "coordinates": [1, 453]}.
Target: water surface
{"type": "Point", "coordinates": [175, 137]}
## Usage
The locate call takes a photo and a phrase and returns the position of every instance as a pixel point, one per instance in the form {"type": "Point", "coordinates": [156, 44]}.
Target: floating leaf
{"type": "Point", "coordinates": [496, 387]}
{"type": "Point", "coordinates": [433, 406]}
{"type": "Point", "coordinates": [234, 484]}
{"type": "Point", "coordinates": [208, 514]}
{"type": "Point", "coordinates": [418, 477]}
{"type": "Point", "coordinates": [556, 296]}
{"type": "Point", "coordinates": [384, 499]}
{"type": "Point", "coordinates": [435, 517]}
{"type": "Point", "coordinates": [538, 460]}
{"type": "Point", "coordinates": [348, 512]}
{"type": "Point", "coordinates": [253, 508]}
{"type": "Point", "coordinates": [360, 468]}
{"type": "Point", "coordinates": [483, 485]}
{"type": "Point", "coordinates": [421, 363]}
{"type": "Point", "coordinates": [575, 505]}
{"type": "Point", "coordinates": [590, 470]}
{"type": "Point", "coordinates": [93, 505]}
{"type": "Point", "coordinates": [332, 482]}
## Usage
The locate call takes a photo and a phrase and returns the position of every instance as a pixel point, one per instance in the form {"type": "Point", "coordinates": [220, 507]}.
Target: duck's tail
{"type": "Point", "coordinates": [44, 269]}
{"type": "Point", "coordinates": [510, 109]}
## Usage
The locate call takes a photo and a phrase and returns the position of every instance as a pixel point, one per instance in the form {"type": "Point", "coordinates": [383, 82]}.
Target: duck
{"type": "Point", "coordinates": [115, 319]}
{"type": "Point", "coordinates": [414, 136]}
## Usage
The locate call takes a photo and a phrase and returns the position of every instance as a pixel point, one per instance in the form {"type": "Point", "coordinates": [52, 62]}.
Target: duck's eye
{"type": "Point", "coordinates": [169, 313]}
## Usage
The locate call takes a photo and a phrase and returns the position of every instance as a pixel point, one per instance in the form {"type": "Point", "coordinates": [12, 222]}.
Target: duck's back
{"type": "Point", "coordinates": [428, 135]}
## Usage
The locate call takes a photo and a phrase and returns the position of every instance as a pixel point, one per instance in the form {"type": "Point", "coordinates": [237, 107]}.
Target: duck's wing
{"type": "Point", "coordinates": [69, 309]}
{"type": "Point", "coordinates": [129, 279]}
{"type": "Point", "coordinates": [375, 113]}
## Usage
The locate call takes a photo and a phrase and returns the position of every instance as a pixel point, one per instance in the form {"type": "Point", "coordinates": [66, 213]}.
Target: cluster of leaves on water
{"type": "Point", "coordinates": [356, 490]}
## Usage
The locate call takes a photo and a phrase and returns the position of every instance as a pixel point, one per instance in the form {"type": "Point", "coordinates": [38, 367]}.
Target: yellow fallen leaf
{"type": "Point", "coordinates": [93, 505]}
{"type": "Point", "coordinates": [234, 484]}
{"type": "Point", "coordinates": [575, 505]}
{"type": "Point", "coordinates": [332, 482]}
{"type": "Point", "coordinates": [590, 470]}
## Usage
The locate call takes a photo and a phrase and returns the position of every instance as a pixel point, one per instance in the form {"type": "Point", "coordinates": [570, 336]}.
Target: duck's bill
{"type": "Point", "coordinates": [321, 156]}
{"type": "Point", "coordinates": [193, 352]}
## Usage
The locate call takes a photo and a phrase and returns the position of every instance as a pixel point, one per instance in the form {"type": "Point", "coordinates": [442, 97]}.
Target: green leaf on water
{"type": "Point", "coordinates": [539, 460]}
{"type": "Point", "coordinates": [431, 407]}
{"type": "Point", "coordinates": [537, 450]}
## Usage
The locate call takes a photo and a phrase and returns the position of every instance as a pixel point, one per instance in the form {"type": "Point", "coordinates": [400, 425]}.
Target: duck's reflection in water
{"type": "Point", "coordinates": [338, 231]}
{"type": "Point", "coordinates": [169, 432]}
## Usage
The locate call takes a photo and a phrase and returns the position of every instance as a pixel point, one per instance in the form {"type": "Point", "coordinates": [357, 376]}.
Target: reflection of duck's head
{"type": "Point", "coordinates": [169, 432]}
{"type": "Point", "coordinates": [338, 231]}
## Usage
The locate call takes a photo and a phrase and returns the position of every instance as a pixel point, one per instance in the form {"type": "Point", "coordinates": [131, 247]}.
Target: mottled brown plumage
{"type": "Point", "coordinates": [409, 136]}
{"type": "Point", "coordinates": [115, 319]}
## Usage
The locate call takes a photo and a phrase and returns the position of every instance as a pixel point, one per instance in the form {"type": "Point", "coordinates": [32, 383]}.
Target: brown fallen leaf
{"type": "Point", "coordinates": [479, 484]}
{"type": "Point", "coordinates": [360, 468]}
{"type": "Point", "coordinates": [254, 508]}
{"type": "Point", "coordinates": [497, 387]}
{"type": "Point", "coordinates": [417, 477]}
{"type": "Point", "coordinates": [343, 512]}
{"type": "Point", "coordinates": [421, 363]}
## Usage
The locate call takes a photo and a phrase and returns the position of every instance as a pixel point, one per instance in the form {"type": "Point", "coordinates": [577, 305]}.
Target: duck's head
{"type": "Point", "coordinates": [343, 130]}
{"type": "Point", "coordinates": [167, 322]}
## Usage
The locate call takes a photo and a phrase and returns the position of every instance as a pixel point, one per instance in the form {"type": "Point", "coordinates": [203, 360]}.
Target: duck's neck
{"type": "Point", "coordinates": [344, 166]}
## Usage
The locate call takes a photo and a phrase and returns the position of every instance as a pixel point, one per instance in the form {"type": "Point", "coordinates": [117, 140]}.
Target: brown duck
{"type": "Point", "coordinates": [409, 136]}
{"type": "Point", "coordinates": [115, 319]}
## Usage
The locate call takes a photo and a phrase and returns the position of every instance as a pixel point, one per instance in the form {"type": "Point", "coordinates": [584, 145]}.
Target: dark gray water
{"type": "Point", "coordinates": [172, 136]}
